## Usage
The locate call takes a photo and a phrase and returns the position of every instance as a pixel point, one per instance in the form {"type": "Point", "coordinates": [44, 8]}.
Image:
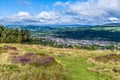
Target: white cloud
{"type": "Point", "coordinates": [1, 17]}
{"type": "Point", "coordinates": [27, 18]}
{"type": "Point", "coordinates": [92, 11]}
{"type": "Point", "coordinates": [19, 17]}
{"type": "Point", "coordinates": [59, 3]}
{"type": "Point", "coordinates": [23, 14]}
{"type": "Point", "coordinates": [48, 15]}
{"type": "Point", "coordinates": [89, 12]}
{"type": "Point", "coordinates": [113, 19]}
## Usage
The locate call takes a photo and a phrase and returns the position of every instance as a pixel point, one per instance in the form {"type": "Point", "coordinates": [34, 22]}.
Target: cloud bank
{"type": "Point", "coordinates": [89, 12]}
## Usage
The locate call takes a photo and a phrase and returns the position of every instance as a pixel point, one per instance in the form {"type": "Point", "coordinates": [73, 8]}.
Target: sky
{"type": "Point", "coordinates": [55, 12]}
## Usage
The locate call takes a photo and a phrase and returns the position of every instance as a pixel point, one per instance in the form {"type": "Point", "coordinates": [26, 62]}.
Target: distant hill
{"type": "Point", "coordinates": [112, 24]}
{"type": "Point", "coordinates": [40, 28]}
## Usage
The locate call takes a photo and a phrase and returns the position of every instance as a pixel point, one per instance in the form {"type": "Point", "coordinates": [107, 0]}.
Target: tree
{"type": "Point", "coordinates": [8, 35]}
{"type": "Point", "coordinates": [19, 39]}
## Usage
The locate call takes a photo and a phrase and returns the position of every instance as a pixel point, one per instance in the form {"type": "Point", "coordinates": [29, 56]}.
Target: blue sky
{"type": "Point", "coordinates": [9, 7]}
{"type": "Point", "coordinates": [39, 12]}
{"type": "Point", "coordinates": [23, 5]}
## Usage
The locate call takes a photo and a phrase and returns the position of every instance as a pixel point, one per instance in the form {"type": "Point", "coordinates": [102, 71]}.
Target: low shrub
{"type": "Point", "coordinates": [107, 58]}
{"type": "Point", "coordinates": [33, 59]}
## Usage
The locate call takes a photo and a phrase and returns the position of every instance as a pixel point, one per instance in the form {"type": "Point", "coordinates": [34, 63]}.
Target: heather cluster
{"type": "Point", "coordinates": [107, 58]}
{"type": "Point", "coordinates": [33, 59]}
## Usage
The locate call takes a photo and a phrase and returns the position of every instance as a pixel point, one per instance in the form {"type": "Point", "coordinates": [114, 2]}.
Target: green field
{"type": "Point", "coordinates": [65, 64]}
{"type": "Point", "coordinates": [107, 28]}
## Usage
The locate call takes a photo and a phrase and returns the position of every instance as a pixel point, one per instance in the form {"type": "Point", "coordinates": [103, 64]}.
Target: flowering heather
{"type": "Point", "coordinates": [43, 60]}
{"type": "Point", "coordinates": [33, 59]}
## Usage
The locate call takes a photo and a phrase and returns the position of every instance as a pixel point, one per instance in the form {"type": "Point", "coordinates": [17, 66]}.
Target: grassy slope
{"type": "Point", "coordinates": [78, 69]}
{"type": "Point", "coordinates": [74, 60]}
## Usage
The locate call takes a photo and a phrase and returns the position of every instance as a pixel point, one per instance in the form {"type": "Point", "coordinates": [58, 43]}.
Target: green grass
{"type": "Point", "coordinates": [73, 64]}
{"type": "Point", "coordinates": [78, 70]}
{"type": "Point", "coordinates": [107, 28]}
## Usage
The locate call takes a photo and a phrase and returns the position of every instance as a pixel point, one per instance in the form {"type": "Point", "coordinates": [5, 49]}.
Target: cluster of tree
{"type": "Point", "coordinates": [8, 35]}
{"type": "Point", "coordinates": [42, 41]}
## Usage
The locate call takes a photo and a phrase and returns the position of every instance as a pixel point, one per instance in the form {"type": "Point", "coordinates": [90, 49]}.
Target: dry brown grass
{"type": "Point", "coordinates": [58, 72]}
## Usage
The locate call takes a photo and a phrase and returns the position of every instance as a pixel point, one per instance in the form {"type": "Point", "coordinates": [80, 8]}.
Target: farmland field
{"type": "Point", "coordinates": [107, 28]}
